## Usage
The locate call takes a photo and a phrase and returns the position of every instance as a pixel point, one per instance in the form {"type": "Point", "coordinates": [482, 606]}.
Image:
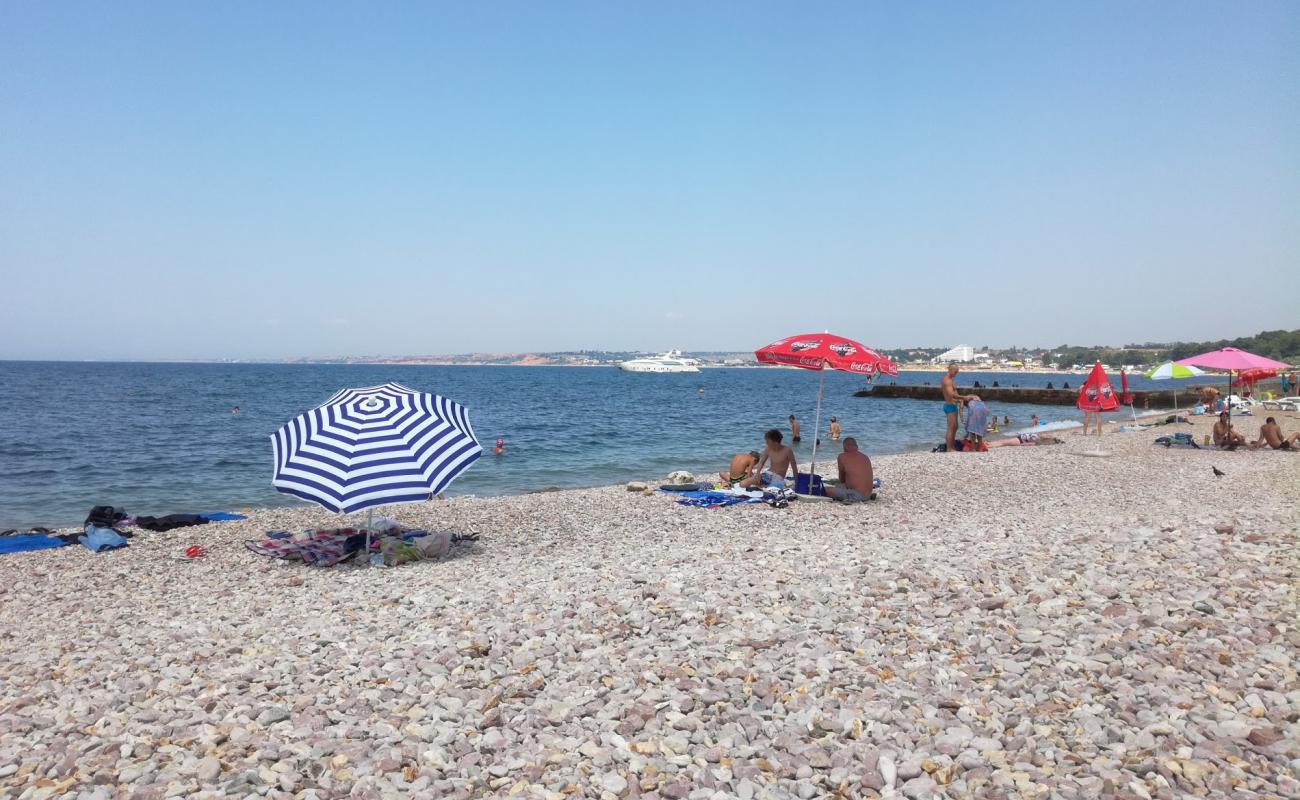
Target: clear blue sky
{"type": "Point", "coordinates": [276, 179]}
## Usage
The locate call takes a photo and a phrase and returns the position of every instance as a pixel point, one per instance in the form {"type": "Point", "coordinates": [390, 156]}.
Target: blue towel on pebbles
{"type": "Point", "coordinates": [29, 541]}
{"type": "Point", "coordinates": [222, 516]}
{"type": "Point", "coordinates": [708, 499]}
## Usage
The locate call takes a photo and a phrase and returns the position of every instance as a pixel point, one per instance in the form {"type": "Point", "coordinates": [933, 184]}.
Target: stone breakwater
{"type": "Point", "coordinates": [1020, 623]}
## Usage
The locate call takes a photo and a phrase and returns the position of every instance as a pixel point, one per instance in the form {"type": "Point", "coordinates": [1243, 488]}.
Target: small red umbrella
{"type": "Point", "coordinates": [822, 351]}
{"type": "Point", "coordinates": [1096, 396]}
{"type": "Point", "coordinates": [1096, 393]}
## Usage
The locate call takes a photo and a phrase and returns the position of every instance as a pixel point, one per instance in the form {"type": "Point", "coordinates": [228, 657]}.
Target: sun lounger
{"type": "Point", "coordinates": [1283, 404]}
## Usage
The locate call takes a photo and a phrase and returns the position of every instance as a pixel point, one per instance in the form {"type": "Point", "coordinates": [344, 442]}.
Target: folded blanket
{"type": "Point", "coordinates": [98, 539]}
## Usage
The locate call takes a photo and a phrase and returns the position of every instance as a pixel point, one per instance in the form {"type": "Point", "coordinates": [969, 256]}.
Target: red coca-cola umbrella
{"type": "Point", "coordinates": [1095, 396]}
{"type": "Point", "coordinates": [1250, 377]}
{"type": "Point", "coordinates": [823, 351]}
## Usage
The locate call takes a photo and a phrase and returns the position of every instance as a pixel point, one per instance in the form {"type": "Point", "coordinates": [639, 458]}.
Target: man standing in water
{"type": "Point", "coordinates": [794, 429]}
{"type": "Point", "coordinates": [951, 403]}
{"type": "Point", "coordinates": [835, 429]}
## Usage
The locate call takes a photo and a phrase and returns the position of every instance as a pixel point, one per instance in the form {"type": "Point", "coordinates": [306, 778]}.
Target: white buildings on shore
{"type": "Point", "coordinates": [961, 354]}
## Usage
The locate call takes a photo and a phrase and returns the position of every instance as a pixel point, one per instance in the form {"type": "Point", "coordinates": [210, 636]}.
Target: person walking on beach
{"type": "Point", "coordinates": [741, 469]}
{"type": "Point", "coordinates": [835, 430]}
{"type": "Point", "coordinates": [951, 404]}
{"type": "Point", "coordinates": [794, 430]}
{"type": "Point", "coordinates": [779, 460]}
{"type": "Point", "coordinates": [857, 480]}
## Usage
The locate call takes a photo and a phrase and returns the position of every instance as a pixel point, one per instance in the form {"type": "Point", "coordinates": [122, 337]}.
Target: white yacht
{"type": "Point", "coordinates": [671, 361]}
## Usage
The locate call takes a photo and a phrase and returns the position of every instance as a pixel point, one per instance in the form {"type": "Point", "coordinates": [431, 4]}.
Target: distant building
{"type": "Point", "coordinates": [961, 354]}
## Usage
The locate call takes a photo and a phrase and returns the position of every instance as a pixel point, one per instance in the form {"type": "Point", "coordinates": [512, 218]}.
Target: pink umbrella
{"type": "Point", "coordinates": [1232, 360]}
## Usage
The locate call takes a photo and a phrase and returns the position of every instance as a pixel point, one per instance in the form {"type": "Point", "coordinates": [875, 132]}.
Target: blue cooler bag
{"type": "Point", "coordinates": [801, 485]}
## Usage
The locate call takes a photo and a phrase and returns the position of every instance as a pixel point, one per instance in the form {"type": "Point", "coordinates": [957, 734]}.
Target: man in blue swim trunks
{"type": "Point", "coordinates": [951, 404]}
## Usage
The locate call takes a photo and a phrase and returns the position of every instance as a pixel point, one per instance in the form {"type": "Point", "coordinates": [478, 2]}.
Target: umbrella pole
{"type": "Point", "coordinates": [1227, 402]}
{"type": "Point", "coordinates": [370, 521]}
{"type": "Point", "coordinates": [817, 427]}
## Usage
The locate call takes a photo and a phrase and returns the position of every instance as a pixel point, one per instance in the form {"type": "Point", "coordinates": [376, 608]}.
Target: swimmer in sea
{"type": "Point", "coordinates": [234, 410]}
{"type": "Point", "coordinates": [794, 429]}
{"type": "Point", "coordinates": [835, 430]}
{"type": "Point", "coordinates": [500, 448]}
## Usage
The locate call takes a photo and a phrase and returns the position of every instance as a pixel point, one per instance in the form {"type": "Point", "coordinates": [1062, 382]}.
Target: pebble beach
{"type": "Point", "coordinates": [1023, 623]}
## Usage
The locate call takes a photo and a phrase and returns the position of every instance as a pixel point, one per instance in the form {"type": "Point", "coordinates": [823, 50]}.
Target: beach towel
{"type": "Point", "coordinates": [320, 548]}
{"type": "Point", "coordinates": [708, 499]}
{"type": "Point", "coordinates": [170, 522]}
{"type": "Point", "coordinates": [1182, 440]}
{"type": "Point", "coordinates": [29, 541]}
{"type": "Point", "coordinates": [222, 516]}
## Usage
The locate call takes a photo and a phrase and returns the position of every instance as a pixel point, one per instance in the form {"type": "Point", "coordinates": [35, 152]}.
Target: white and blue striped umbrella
{"type": "Point", "coordinates": [372, 447]}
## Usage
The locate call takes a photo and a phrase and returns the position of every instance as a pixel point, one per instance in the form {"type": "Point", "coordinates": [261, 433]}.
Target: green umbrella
{"type": "Point", "coordinates": [1172, 369]}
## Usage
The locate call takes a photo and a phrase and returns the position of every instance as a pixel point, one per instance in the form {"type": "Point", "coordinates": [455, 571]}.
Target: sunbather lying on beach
{"type": "Point", "coordinates": [1270, 433]}
{"type": "Point", "coordinates": [857, 481]}
{"type": "Point", "coordinates": [1224, 435]}
{"type": "Point", "coordinates": [742, 467]}
{"type": "Point", "coordinates": [780, 462]}
{"type": "Point", "coordinates": [1026, 440]}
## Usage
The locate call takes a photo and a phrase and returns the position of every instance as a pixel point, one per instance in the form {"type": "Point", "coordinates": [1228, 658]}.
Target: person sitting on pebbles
{"type": "Point", "coordinates": [1224, 435]}
{"type": "Point", "coordinates": [742, 468]}
{"type": "Point", "coordinates": [1270, 433]}
{"type": "Point", "coordinates": [780, 460]}
{"type": "Point", "coordinates": [857, 480]}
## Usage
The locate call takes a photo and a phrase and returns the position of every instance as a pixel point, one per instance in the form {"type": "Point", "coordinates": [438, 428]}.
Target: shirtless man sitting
{"type": "Point", "coordinates": [742, 467]}
{"type": "Point", "coordinates": [1270, 433]}
{"type": "Point", "coordinates": [857, 481]}
{"type": "Point", "coordinates": [779, 460]}
{"type": "Point", "coordinates": [1224, 435]}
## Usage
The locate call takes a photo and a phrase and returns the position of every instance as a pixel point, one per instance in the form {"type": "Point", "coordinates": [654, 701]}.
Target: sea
{"type": "Point", "coordinates": [161, 438]}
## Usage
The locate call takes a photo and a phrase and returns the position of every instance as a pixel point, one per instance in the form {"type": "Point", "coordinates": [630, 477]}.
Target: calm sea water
{"type": "Point", "coordinates": [160, 438]}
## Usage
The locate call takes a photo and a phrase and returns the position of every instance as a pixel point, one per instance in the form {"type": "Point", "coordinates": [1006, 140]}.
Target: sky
{"type": "Point", "coordinates": [265, 180]}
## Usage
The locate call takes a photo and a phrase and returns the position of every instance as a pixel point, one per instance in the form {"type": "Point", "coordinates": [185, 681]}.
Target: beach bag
{"type": "Point", "coordinates": [805, 483]}
{"type": "Point", "coordinates": [104, 517]}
